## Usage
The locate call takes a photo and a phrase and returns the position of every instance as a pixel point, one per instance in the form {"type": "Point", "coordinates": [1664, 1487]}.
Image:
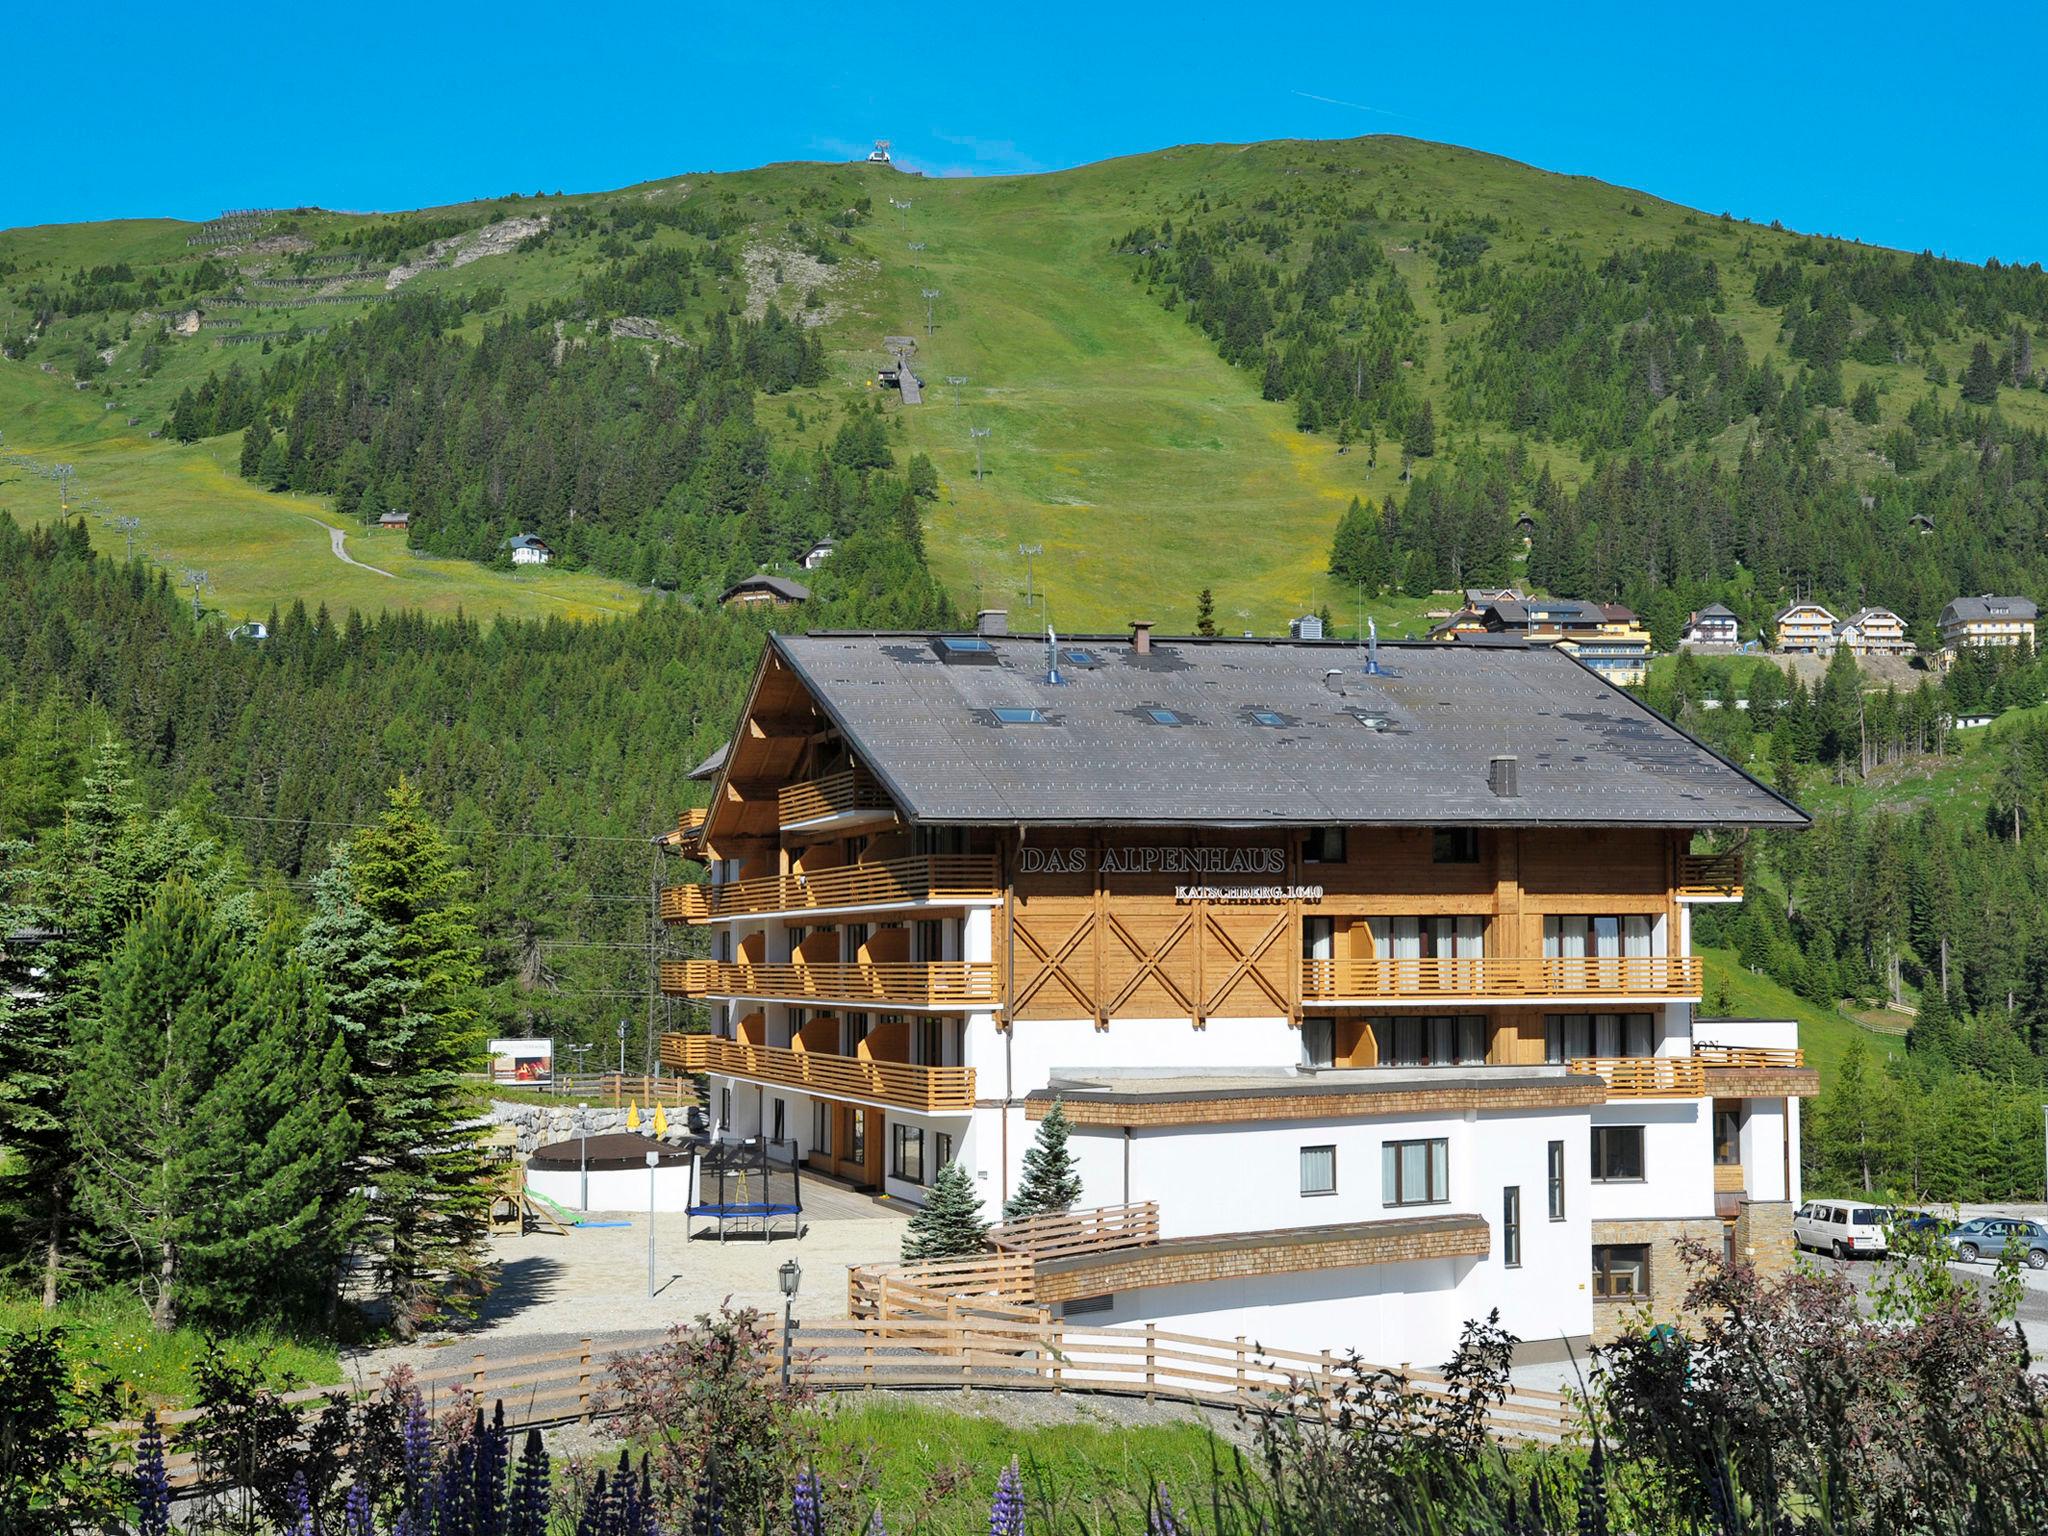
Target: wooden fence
{"type": "Point", "coordinates": [612, 1090]}
{"type": "Point", "coordinates": [993, 1354]}
{"type": "Point", "coordinates": [981, 1345]}
{"type": "Point", "coordinates": [1085, 1231]}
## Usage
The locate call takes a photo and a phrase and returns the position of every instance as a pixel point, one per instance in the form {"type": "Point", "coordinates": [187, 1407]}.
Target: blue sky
{"type": "Point", "coordinates": [1899, 125]}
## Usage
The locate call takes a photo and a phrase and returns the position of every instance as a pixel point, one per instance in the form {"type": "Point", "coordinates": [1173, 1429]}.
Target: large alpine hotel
{"type": "Point", "coordinates": [1373, 969]}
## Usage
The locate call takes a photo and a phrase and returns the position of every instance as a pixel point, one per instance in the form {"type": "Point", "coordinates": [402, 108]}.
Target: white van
{"type": "Point", "coordinates": [1844, 1230]}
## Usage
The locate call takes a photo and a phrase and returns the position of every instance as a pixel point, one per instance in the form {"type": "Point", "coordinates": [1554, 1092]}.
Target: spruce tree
{"type": "Point", "coordinates": [81, 887]}
{"type": "Point", "coordinates": [1205, 612]}
{"type": "Point", "coordinates": [1050, 1183]}
{"type": "Point", "coordinates": [1420, 442]}
{"type": "Point", "coordinates": [274, 469]}
{"type": "Point", "coordinates": [1980, 379]}
{"type": "Point", "coordinates": [139, 1096]}
{"type": "Point", "coordinates": [255, 439]}
{"type": "Point", "coordinates": [394, 941]}
{"type": "Point", "coordinates": [272, 1241]}
{"type": "Point", "coordinates": [950, 1225]}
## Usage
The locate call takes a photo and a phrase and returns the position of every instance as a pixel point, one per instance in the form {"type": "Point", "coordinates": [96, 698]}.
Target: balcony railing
{"type": "Point", "coordinates": [1442, 980]}
{"type": "Point", "coordinates": [1710, 876]}
{"type": "Point", "coordinates": [900, 1083]}
{"type": "Point", "coordinates": [1749, 1058]}
{"type": "Point", "coordinates": [896, 882]}
{"type": "Point", "coordinates": [1646, 1077]}
{"type": "Point", "coordinates": [836, 794]}
{"type": "Point", "coordinates": [933, 984]}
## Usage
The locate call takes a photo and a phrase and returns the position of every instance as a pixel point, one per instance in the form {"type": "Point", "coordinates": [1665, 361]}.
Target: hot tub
{"type": "Point", "coordinates": [616, 1168]}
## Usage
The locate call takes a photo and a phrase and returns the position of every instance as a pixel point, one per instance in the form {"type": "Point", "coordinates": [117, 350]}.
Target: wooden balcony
{"type": "Point", "coordinates": [1710, 877]}
{"type": "Point", "coordinates": [932, 880]}
{"type": "Point", "coordinates": [1650, 978]}
{"type": "Point", "coordinates": [1749, 1058]}
{"type": "Point", "coordinates": [1645, 1077]}
{"type": "Point", "coordinates": [1757, 1072]}
{"type": "Point", "coordinates": [851, 795]}
{"type": "Point", "coordinates": [900, 1084]}
{"type": "Point", "coordinates": [931, 985]}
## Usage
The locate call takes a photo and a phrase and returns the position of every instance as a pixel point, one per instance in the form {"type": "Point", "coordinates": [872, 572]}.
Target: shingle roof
{"type": "Point", "coordinates": [781, 586]}
{"type": "Point", "coordinates": [1714, 611]}
{"type": "Point", "coordinates": [1411, 746]}
{"type": "Point", "coordinates": [1966, 609]}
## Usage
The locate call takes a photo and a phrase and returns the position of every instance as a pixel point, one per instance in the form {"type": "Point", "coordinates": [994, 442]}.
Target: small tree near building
{"type": "Point", "coordinates": [1050, 1184]}
{"type": "Point", "coordinates": [950, 1225]}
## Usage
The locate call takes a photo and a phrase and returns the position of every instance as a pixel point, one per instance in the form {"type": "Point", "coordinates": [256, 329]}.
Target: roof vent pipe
{"type": "Point", "coordinates": [1503, 778]}
{"type": "Point", "coordinates": [1141, 636]}
{"type": "Point", "coordinates": [992, 621]}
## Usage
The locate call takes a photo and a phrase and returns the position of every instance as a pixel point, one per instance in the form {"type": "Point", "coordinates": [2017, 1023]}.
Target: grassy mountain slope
{"type": "Point", "coordinates": [1118, 437]}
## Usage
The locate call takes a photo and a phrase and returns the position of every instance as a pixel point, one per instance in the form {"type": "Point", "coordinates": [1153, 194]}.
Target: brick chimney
{"type": "Point", "coordinates": [1141, 636]}
{"type": "Point", "coordinates": [992, 621]}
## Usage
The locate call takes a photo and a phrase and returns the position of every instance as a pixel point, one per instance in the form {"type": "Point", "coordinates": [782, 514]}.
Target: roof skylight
{"type": "Point", "coordinates": [1008, 716]}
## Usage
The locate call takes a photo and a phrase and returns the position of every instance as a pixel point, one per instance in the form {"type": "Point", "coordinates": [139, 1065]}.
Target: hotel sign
{"type": "Point", "coordinates": [1152, 860]}
{"type": "Point", "coordinates": [1156, 859]}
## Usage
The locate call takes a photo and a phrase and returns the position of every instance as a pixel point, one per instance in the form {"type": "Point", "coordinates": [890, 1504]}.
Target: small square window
{"type": "Point", "coordinates": [1323, 845]}
{"type": "Point", "coordinates": [1621, 1269]}
{"type": "Point", "coordinates": [1080, 658]}
{"type": "Point", "coordinates": [1617, 1154]}
{"type": "Point", "coordinates": [1267, 717]}
{"type": "Point", "coordinates": [1319, 1170]}
{"type": "Point", "coordinates": [1455, 845]}
{"type": "Point", "coordinates": [1019, 716]}
{"type": "Point", "coordinates": [1167, 717]}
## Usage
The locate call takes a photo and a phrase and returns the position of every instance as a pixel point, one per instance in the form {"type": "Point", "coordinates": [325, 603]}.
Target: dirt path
{"type": "Point", "coordinates": [335, 536]}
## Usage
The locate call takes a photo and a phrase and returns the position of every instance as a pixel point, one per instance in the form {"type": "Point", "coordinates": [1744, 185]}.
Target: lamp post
{"type": "Point", "coordinates": [583, 1154]}
{"type": "Point", "coordinates": [789, 1277]}
{"type": "Point", "coordinates": [653, 1161]}
{"type": "Point", "coordinates": [622, 1050]}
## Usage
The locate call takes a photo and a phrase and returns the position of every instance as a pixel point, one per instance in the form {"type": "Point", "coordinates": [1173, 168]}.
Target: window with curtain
{"type": "Point", "coordinates": [1429, 938]}
{"type": "Point", "coordinates": [851, 938]}
{"type": "Point", "coordinates": [1438, 1040]}
{"type": "Point", "coordinates": [1319, 1170]}
{"type": "Point", "coordinates": [1567, 1036]}
{"type": "Point", "coordinates": [1415, 1172]}
{"type": "Point", "coordinates": [1318, 938]}
{"type": "Point", "coordinates": [1319, 1042]}
{"type": "Point", "coordinates": [1574, 936]}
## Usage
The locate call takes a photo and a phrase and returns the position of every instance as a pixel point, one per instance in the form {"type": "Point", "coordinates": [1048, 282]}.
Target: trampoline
{"type": "Point", "coordinates": [746, 1187]}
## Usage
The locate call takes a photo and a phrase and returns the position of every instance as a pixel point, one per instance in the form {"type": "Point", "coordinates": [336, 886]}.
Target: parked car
{"type": "Point", "coordinates": [1986, 1237]}
{"type": "Point", "coordinates": [1922, 1224]}
{"type": "Point", "coordinates": [1840, 1228]}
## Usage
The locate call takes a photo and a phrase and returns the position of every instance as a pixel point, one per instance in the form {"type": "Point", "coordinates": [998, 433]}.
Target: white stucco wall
{"type": "Point", "coordinates": [613, 1189]}
{"type": "Point", "coordinates": [1248, 1178]}
{"type": "Point", "coordinates": [1763, 1149]}
{"type": "Point", "coordinates": [1678, 1161]}
{"type": "Point", "coordinates": [1390, 1314]}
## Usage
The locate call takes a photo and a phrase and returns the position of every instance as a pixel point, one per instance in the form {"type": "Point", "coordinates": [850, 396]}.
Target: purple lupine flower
{"type": "Point", "coordinates": [303, 1523]}
{"type": "Point", "coordinates": [1006, 1515]}
{"type": "Point", "coordinates": [804, 1515]}
{"type": "Point", "coordinates": [152, 1483]}
{"type": "Point", "coordinates": [418, 1442]}
{"type": "Point", "coordinates": [875, 1526]}
{"type": "Point", "coordinates": [529, 1512]}
{"type": "Point", "coordinates": [356, 1519]}
{"type": "Point", "coordinates": [1162, 1521]}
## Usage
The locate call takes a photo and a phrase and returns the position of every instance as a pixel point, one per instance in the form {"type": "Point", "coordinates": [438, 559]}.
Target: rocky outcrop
{"type": "Point", "coordinates": [640, 328]}
{"type": "Point", "coordinates": [460, 250]}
